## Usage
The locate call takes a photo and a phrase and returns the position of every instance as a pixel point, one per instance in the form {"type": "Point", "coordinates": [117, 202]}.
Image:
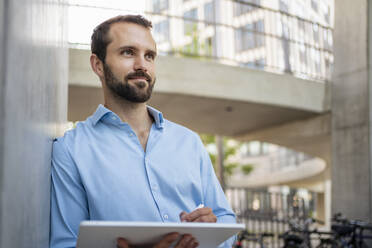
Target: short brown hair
{"type": "Point", "coordinates": [100, 38]}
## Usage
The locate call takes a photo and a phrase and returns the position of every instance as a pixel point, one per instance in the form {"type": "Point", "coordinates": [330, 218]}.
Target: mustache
{"type": "Point", "coordinates": [136, 74]}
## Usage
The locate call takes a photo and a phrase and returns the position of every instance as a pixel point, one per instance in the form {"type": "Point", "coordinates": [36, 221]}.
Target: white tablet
{"type": "Point", "coordinates": [99, 234]}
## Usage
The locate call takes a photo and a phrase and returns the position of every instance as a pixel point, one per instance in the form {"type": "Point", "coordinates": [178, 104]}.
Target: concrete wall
{"type": "Point", "coordinates": [33, 101]}
{"type": "Point", "coordinates": [351, 170]}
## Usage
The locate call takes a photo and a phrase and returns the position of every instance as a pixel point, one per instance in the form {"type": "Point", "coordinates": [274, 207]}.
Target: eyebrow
{"type": "Point", "coordinates": [135, 48]}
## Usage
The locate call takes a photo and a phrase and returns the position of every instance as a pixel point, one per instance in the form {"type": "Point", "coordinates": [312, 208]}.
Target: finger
{"type": "Point", "coordinates": [211, 218]}
{"type": "Point", "coordinates": [184, 241]}
{"type": "Point", "coordinates": [167, 240]}
{"type": "Point", "coordinates": [191, 243]}
{"type": "Point", "coordinates": [196, 244]}
{"type": "Point", "coordinates": [183, 214]}
{"type": "Point", "coordinates": [122, 243]}
{"type": "Point", "coordinates": [197, 213]}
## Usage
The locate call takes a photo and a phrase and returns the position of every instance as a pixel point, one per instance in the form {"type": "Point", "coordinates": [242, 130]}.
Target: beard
{"type": "Point", "coordinates": [132, 93]}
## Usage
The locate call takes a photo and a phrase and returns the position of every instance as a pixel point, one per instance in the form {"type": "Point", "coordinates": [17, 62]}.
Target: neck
{"type": "Point", "coordinates": [135, 114]}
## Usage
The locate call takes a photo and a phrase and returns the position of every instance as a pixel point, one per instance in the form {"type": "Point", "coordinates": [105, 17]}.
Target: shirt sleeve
{"type": "Point", "coordinates": [68, 198]}
{"type": "Point", "coordinates": [214, 197]}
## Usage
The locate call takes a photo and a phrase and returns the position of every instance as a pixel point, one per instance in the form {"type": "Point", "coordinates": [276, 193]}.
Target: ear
{"type": "Point", "coordinates": [97, 65]}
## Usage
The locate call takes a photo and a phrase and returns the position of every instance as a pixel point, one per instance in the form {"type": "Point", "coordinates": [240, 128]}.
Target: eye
{"type": "Point", "coordinates": [150, 56]}
{"type": "Point", "coordinates": [127, 52]}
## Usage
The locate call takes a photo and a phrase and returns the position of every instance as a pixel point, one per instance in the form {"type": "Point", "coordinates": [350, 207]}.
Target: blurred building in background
{"type": "Point", "coordinates": [292, 37]}
{"type": "Point", "coordinates": [238, 69]}
{"type": "Point", "coordinates": [280, 36]}
{"type": "Point", "coordinates": [286, 83]}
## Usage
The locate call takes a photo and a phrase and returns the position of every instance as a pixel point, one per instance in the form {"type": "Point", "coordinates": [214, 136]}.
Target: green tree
{"type": "Point", "coordinates": [229, 150]}
{"type": "Point", "coordinates": [197, 48]}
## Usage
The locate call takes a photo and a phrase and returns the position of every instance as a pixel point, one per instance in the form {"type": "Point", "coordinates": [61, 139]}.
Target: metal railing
{"type": "Point", "coordinates": [287, 158]}
{"type": "Point", "coordinates": [252, 36]}
{"type": "Point", "coordinates": [263, 211]}
{"type": "Point", "coordinates": [273, 157]}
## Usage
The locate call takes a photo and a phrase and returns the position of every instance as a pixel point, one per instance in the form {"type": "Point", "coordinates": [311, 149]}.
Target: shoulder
{"type": "Point", "coordinates": [184, 134]}
{"type": "Point", "coordinates": [172, 127]}
{"type": "Point", "coordinates": [72, 136]}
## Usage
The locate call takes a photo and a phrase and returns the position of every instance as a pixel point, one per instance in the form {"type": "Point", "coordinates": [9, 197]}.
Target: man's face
{"type": "Point", "coordinates": [129, 69]}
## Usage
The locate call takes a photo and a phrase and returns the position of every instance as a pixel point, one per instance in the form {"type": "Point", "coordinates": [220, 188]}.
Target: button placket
{"type": "Point", "coordinates": [154, 190]}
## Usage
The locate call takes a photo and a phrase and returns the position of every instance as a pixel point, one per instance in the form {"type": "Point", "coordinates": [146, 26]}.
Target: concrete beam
{"type": "Point", "coordinates": [221, 99]}
{"type": "Point", "coordinates": [307, 169]}
{"type": "Point", "coordinates": [311, 136]}
{"type": "Point", "coordinates": [213, 80]}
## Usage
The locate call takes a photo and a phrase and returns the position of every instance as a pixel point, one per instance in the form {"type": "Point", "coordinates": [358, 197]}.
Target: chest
{"type": "Point", "coordinates": [143, 138]}
{"type": "Point", "coordinates": [117, 169]}
{"type": "Point", "coordinates": [119, 157]}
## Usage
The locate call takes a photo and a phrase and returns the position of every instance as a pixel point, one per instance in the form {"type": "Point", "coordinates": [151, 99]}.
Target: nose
{"type": "Point", "coordinates": [140, 63]}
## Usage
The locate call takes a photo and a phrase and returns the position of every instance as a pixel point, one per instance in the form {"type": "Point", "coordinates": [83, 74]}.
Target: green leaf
{"type": "Point", "coordinates": [247, 168]}
{"type": "Point", "coordinates": [229, 168]}
{"type": "Point", "coordinates": [208, 139]}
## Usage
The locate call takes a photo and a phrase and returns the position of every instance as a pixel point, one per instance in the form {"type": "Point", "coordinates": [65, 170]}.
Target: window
{"type": "Point", "coordinates": [209, 46]}
{"type": "Point", "coordinates": [190, 26]}
{"type": "Point", "coordinates": [327, 15]}
{"type": "Point", "coordinates": [317, 68]}
{"type": "Point", "coordinates": [242, 8]}
{"type": "Point", "coordinates": [209, 12]}
{"type": "Point", "coordinates": [256, 64]}
{"type": "Point", "coordinates": [254, 148]}
{"type": "Point", "coordinates": [302, 54]}
{"type": "Point", "coordinates": [316, 33]}
{"type": "Point", "coordinates": [327, 36]}
{"type": "Point", "coordinates": [246, 39]}
{"type": "Point", "coordinates": [285, 31]}
{"type": "Point", "coordinates": [283, 6]}
{"type": "Point", "coordinates": [316, 58]}
{"type": "Point", "coordinates": [265, 148]}
{"type": "Point", "coordinates": [327, 67]}
{"type": "Point", "coordinates": [159, 5]}
{"type": "Point", "coordinates": [314, 5]}
{"type": "Point", "coordinates": [192, 48]}
{"type": "Point", "coordinates": [161, 31]}
{"type": "Point", "coordinates": [301, 24]}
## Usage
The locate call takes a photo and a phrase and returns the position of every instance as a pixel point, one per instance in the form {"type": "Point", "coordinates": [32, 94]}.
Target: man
{"type": "Point", "coordinates": [126, 162]}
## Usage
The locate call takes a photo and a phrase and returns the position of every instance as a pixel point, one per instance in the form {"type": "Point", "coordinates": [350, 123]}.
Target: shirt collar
{"type": "Point", "coordinates": [157, 115]}
{"type": "Point", "coordinates": [102, 111]}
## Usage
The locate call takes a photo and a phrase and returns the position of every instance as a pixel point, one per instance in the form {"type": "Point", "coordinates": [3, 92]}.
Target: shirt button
{"type": "Point", "coordinates": [113, 117]}
{"type": "Point", "coordinates": [131, 134]}
{"type": "Point", "coordinates": [165, 216]}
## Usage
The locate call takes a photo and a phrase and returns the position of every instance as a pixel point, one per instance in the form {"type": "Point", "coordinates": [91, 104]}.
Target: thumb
{"type": "Point", "coordinates": [122, 243]}
{"type": "Point", "coordinates": [183, 214]}
{"type": "Point", "coordinates": [167, 240]}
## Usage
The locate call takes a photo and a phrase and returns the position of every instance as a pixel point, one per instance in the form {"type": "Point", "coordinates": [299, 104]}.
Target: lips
{"type": "Point", "coordinates": [140, 75]}
{"type": "Point", "coordinates": [140, 78]}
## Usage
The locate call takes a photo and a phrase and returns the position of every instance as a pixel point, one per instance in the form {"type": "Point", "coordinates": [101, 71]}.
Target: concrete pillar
{"type": "Point", "coordinates": [351, 125]}
{"type": "Point", "coordinates": [320, 206]}
{"type": "Point", "coordinates": [33, 102]}
{"type": "Point", "coordinates": [220, 161]}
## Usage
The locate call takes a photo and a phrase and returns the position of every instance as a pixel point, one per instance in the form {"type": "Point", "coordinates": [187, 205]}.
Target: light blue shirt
{"type": "Point", "coordinates": [101, 172]}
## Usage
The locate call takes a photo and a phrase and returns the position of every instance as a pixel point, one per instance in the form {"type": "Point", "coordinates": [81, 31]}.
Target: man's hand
{"type": "Point", "coordinates": [199, 215]}
{"type": "Point", "coordinates": [187, 241]}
